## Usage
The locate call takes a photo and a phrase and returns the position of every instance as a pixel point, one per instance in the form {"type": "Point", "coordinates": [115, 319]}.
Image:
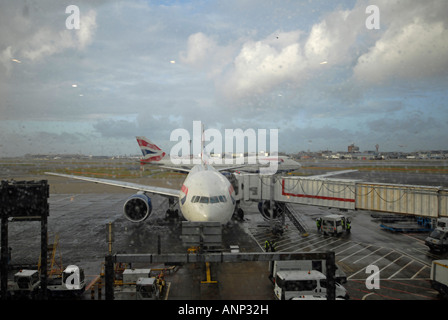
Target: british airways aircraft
{"type": "Point", "coordinates": [206, 194]}
{"type": "Point", "coordinates": [154, 155]}
{"type": "Point", "coordinates": [151, 152]}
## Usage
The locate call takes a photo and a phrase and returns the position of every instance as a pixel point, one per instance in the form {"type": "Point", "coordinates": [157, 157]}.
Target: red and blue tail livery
{"type": "Point", "coordinates": [151, 152]}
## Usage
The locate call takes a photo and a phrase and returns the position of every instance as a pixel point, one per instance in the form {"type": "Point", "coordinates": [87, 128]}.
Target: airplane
{"type": "Point", "coordinates": [206, 194]}
{"type": "Point", "coordinates": [151, 152]}
{"type": "Point", "coordinates": [154, 155]}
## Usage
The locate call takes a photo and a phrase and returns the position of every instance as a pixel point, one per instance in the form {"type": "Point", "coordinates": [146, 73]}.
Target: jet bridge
{"type": "Point", "coordinates": [302, 190]}
{"type": "Point", "coordinates": [422, 201]}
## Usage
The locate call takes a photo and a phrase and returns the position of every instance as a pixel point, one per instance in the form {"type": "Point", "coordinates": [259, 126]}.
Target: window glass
{"type": "Point", "coordinates": [214, 199]}
{"type": "Point", "coordinates": [204, 200]}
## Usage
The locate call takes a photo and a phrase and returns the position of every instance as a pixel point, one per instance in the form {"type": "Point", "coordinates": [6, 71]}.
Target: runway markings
{"type": "Point", "coordinates": [373, 263]}
{"type": "Point", "coordinates": [407, 292]}
{"type": "Point", "coordinates": [401, 269]}
{"type": "Point", "coordinates": [356, 256]}
{"type": "Point", "coordinates": [368, 255]}
{"type": "Point", "coordinates": [356, 252]}
{"type": "Point", "coordinates": [369, 293]}
{"type": "Point", "coordinates": [417, 273]}
{"type": "Point", "coordinates": [333, 249]}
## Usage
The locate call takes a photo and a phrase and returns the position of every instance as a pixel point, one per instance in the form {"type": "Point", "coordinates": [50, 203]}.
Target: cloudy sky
{"type": "Point", "coordinates": [311, 69]}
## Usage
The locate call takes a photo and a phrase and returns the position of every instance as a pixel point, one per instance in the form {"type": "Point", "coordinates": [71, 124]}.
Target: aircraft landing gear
{"type": "Point", "coordinates": [238, 214]}
{"type": "Point", "coordinates": [171, 213]}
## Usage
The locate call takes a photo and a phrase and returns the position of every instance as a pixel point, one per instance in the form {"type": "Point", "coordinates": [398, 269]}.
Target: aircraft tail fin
{"type": "Point", "coordinates": [151, 152]}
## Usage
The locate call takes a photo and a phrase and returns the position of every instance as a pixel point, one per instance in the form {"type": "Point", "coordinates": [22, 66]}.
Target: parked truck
{"type": "Point", "coordinates": [335, 224]}
{"type": "Point", "coordinates": [138, 284]}
{"type": "Point", "coordinates": [25, 285]}
{"type": "Point", "coordinates": [438, 238]}
{"type": "Point", "coordinates": [442, 223]}
{"type": "Point", "coordinates": [146, 289]}
{"type": "Point", "coordinates": [439, 277]}
{"type": "Point", "coordinates": [305, 265]}
{"type": "Point", "coordinates": [295, 278]}
{"type": "Point", "coordinates": [293, 284]}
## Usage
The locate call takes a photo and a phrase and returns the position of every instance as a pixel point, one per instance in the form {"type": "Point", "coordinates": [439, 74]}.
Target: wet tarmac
{"type": "Point", "coordinates": [80, 218]}
{"type": "Point", "coordinates": [403, 260]}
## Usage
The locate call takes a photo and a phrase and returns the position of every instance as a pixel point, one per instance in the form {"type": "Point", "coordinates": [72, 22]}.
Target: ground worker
{"type": "Point", "coordinates": [272, 246]}
{"type": "Point", "coordinates": [318, 224]}
{"type": "Point", "coordinates": [266, 246]}
{"type": "Point", "coordinates": [348, 225]}
{"type": "Point", "coordinates": [160, 282]}
{"type": "Point", "coordinates": [269, 246]}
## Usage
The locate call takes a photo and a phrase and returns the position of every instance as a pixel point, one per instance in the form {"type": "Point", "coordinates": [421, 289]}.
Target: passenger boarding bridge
{"type": "Point", "coordinates": [422, 201]}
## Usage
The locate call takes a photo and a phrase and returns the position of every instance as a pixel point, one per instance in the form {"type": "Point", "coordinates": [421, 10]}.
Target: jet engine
{"type": "Point", "coordinates": [138, 207]}
{"type": "Point", "coordinates": [264, 208]}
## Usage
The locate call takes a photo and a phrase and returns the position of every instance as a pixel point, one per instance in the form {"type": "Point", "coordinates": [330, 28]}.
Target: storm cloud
{"type": "Point", "coordinates": [310, 69]}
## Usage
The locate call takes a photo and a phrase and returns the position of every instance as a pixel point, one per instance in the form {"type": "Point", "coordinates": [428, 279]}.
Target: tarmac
{"type": "Point", "coordinates": [80, 212]}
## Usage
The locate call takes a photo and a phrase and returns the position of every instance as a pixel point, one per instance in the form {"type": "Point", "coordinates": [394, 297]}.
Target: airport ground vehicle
{"type": "Point", "coordinates": [439, 277]}
{"type": "Point", "coordinates": [438, 239]}
{"type": "Point", "coordinates": [293, 283]}
{"type": "Point", "coordinates": [150, 288]}
{"type": "Point", "coordinates": [305, 265]}
{"type": "Point", "coordinates": [126, 284]}
{"type": "Point", "coordinates": [146, 289]}
{"type": "Point", "coordinates": [131, 276]}
{"type": "Point", "coordinates": [335, 224]}
{"type": "Point", "coordinates": [26, 284]}
{"type": "Point", "coordinates": [442, 223]}
{"type": "Point", "coordinates": [139, 285]}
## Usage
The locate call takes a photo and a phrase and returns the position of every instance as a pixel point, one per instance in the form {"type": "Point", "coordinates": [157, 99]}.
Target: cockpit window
{"type": "Point", "coordinates": [204, 200]}
{"type": "Point", "coordinates": [214, 200]}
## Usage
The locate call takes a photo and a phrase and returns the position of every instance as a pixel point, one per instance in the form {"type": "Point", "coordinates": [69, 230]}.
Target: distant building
{"type": "Point", "coordinates": [352, 148]}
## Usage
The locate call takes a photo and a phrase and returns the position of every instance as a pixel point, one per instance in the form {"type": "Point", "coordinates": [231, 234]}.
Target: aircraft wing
{"type": "Point", "coordinates": [181, 169]}
{"type": "Point", "coordinates": [231, 168]}
{"type": "Point", "coordinates": [122, 184]}
{"type": "Point", "coordinates": [184, 169]}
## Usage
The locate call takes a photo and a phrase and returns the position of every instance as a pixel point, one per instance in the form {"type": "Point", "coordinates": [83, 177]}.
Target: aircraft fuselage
{"type": "Point", "coordinates": [207, 195]}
